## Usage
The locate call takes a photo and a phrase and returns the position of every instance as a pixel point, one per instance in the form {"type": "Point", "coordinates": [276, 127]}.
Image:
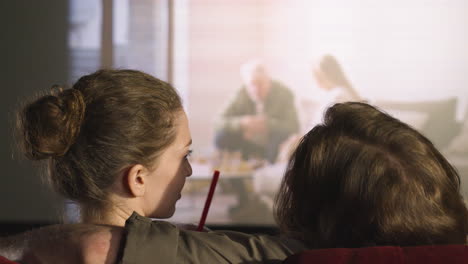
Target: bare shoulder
{"type": "Point", "coordinates": [77, 243]}
{"type": "Point", "coordinates": [103, 246]}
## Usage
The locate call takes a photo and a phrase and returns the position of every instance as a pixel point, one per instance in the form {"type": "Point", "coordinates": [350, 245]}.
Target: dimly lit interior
{"type": "Point", "coordinates": [409, 58]}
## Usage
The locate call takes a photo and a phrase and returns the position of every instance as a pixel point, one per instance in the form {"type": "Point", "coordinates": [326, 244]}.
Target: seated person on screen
{"type": "Point", "coordinates": [335, 87]}
{"type": "Point", "coordinates": [259, 118]}
{"type": "Point", "coordinates": [330, 77]}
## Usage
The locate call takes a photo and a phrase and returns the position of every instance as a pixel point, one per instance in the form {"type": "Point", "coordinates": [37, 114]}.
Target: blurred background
{"type": "Point", "coordinates": [408, 57]}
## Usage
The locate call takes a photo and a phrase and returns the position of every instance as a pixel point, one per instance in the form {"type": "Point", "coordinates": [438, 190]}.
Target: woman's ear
{"type": "Point", "coordinates": [135, 179]}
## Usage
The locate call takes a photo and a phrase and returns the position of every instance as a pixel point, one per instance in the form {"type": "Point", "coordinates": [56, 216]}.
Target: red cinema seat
{"type": "Point", "coordinates": [4, 260]}
{"type": "Point", "coordinates": [443, 254]}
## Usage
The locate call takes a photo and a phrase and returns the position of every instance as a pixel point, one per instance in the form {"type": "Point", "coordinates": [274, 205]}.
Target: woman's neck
{"type": "Point", "coordinates": [115, 216]}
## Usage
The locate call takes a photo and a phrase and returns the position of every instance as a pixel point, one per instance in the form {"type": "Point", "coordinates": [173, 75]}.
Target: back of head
{"type": "Point", "coordinates": [108, 121]}
{"type": "Point", "coordinates": [363, 178]}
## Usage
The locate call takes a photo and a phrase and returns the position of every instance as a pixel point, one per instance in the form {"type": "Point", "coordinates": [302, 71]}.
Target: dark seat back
{"type": "Point", "coordinates": [456, 254]}
{"type": "Point", "coordinates": [4, 260]}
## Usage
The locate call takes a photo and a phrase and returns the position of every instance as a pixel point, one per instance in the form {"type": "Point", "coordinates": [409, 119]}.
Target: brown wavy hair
{"type": "Point", "coordinates": [363, 178]}
{"type": "Point", "coordinates": [106, 122]}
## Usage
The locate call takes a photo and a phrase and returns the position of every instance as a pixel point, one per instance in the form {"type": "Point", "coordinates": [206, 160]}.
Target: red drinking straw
{"type": "Point", "coordinates": [208, 200]}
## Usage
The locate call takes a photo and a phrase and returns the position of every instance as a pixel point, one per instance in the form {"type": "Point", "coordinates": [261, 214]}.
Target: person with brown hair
{"type": "Point", "coordinates": [117, 143]}
{"type": "Point", "coordinates": [363, 178]}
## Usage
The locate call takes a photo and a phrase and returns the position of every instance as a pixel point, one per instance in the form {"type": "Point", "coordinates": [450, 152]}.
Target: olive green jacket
{"type": "Point", "coordinates": [150, 241]}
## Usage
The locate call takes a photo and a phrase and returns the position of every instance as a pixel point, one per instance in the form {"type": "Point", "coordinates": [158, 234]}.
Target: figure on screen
{"type": "Point", "coordinates": [260, 117]}
{"type": "Point", "coordinates": [334, 86]}
{"type": "Point", "coordinates": [330, 77]}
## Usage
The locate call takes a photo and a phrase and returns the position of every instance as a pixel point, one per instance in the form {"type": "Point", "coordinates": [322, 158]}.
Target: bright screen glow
{"type": "Point", "coordinates": [408, 57]}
